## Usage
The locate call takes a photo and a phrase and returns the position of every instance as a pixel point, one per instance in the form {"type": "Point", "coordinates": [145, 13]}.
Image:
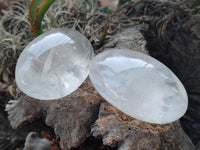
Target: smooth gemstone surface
{"type": "Point", "coordinates": [54, 64]}
{"type": "Point", "coordinates": [139, 86]}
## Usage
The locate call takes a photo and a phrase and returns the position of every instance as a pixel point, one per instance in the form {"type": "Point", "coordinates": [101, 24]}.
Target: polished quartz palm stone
{"type": "Point", "coordinates": [54, 64]}
{"type": "Point", "coordinates": [139, 86]}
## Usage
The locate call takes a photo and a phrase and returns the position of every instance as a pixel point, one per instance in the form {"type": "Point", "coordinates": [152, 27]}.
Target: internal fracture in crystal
{"type": "Point", "coordinates": [139, 86]}
{"type": "Point", "coordinates": [54, 64]}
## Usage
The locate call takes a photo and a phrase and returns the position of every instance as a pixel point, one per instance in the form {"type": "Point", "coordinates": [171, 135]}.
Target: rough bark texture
{"type": "Point", "coordinates": [73, 116]}
{"type": "Point", "coordinates": [129, 38]}
{"type": "Point", "coordinates": [126, 133]}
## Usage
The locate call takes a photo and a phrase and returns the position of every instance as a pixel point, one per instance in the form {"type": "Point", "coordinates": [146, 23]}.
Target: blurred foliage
{"type": "Point", "coordinates": [196, 6]}
{"type": "Point", "coordinates": [106, 10]}
{"type": "Point", "coordinates": [195, 3]}
{"type": "Point", "coordinates": [122, 2]}
{"type": "Point", "coordinates": [38, 8]}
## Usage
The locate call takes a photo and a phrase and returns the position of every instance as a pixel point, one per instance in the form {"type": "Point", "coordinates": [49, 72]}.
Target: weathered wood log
{"type": "Point", "coordinates": [73, 116]}
{"type": "Point", "coordinates": [127, 133]}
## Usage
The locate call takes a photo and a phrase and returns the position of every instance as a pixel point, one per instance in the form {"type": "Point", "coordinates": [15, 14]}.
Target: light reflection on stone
{"type": "Point", "coordinates": [54, 64]}
{"type": "Point", "coordinates": [139, 85]}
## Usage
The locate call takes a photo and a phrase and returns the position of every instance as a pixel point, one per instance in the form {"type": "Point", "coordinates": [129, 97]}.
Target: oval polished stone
{"type": "Point", "coordinates": [54, 64]}
{"type": "Point", "coordinates": [139, 86]}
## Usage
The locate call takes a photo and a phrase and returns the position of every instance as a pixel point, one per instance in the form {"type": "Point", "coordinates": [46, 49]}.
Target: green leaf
{"type": "Point", "coordinates": [37, 11]}
{"type": "Point", "coordinates": [103, 37]}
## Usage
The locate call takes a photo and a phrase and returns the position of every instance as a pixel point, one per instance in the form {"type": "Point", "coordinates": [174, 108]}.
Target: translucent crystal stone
{"type": "Point", "coordinates": [54, 64]}
{"type": "Point", "coordinates": [139, 86]}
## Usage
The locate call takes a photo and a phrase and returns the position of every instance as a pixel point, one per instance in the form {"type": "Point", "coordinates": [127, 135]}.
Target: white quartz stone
{"type": "Point", "coordinates": [139, 86]}
{"type": "Point", "coordinates": [54, 64]}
